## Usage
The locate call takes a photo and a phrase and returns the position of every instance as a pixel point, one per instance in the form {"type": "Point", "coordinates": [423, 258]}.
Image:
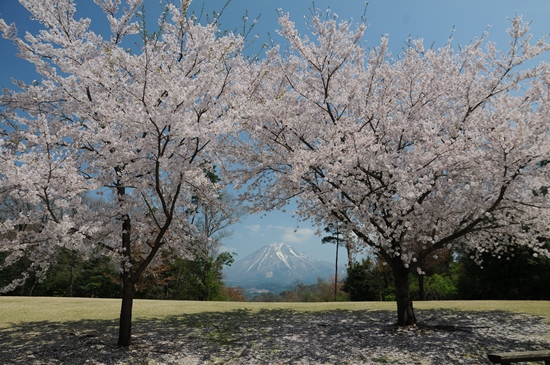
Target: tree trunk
{"type": "Point", "coordinates": [125, 324]}
{"type": "Point", "coordinates": [71, 279]}
{"type": "Point", "coordinates": [72, 265]}
{"type": "Point", "coordinates": [421, 290]}
{"type": "Point", "coordinates": [350, 252]}
{"type": "Point", "coordinates": [336, 270]}
{"type": "Point", "coordinates": [405, 312]}
{"type": "Point", "coordinates": [33, 284]}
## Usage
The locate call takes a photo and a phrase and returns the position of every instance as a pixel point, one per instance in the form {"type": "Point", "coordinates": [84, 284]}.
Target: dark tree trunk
{"type": "Point", "coordinates": [421, 290]}
{"type": "Point", "coordinates": [205, 281]}
{"type": "Point", "coordinates": [125, 324]}
{"type": "Point", "coordinates": [72, 265]}
{"type": "Point", "coordinates": [405, 312]}
{"type": "Point", "coordinates": [336, 271]}
{"type": "Point", "coordinates": [71, 279]}
{"type": "Point", "coordinates": [33, 284]}
{"type": "Point", "coordinates": [379, 286]}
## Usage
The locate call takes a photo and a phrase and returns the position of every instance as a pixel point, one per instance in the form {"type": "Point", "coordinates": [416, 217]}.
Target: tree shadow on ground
{"type": "Point", "coordinates": [276, 337]}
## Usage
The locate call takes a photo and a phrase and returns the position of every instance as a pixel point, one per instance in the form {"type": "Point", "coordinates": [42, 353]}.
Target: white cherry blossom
{"type": "Point", "coordinates": [414, 153]}
{"type": "Point", "coordinates": [137, 125]}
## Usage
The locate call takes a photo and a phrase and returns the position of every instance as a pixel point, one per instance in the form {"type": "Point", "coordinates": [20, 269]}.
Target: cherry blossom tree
{"type": "Point", "coordinates": [132, 117]}
{"type": "Point", "coordinates": [413, 153]}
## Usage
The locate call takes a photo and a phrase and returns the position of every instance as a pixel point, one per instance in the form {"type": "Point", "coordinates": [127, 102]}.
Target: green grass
{"type": "Point", "coordinates": [81, 330]}
{"type": "Point", "coordinates": [535, 307]}
{"type": "Point", "coordinates": [15, 310]}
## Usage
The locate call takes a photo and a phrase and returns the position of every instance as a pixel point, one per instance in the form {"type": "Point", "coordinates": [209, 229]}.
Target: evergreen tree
{"type": "Point", "coordinates": [361, 283]}
{"type": "Point", "coordinates": [525, 276]}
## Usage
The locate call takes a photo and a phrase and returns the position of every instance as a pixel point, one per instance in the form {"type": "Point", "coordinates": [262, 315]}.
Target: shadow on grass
{"type": "Point", "coordinates": [271, 336]}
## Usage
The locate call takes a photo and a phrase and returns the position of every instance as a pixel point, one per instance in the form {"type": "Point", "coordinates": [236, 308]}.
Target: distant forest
{"type": "Point", "coordinates": [518, 275]}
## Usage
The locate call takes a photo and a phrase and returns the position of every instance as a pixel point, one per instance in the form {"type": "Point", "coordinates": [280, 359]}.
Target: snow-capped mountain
{"type": "Point", "coordinates": [276, 266]}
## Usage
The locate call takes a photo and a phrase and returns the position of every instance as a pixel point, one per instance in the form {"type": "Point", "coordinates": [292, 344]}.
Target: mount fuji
{"type": "Point", "coordinates": [276, 267]}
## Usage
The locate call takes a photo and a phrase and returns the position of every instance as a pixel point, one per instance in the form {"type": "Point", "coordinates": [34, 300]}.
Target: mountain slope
{"type": "Point", "coordinates": [276, 265]}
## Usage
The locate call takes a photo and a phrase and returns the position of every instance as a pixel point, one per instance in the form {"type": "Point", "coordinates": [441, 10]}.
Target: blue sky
{"type": "Point", "coordinates": [432, 20]}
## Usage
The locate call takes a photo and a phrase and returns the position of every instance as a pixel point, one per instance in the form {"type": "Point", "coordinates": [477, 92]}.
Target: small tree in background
{"type": "Point", "coordinates": [439, 258]}
{"type": "Point", "coordinates": [362, 283]}
{"type": "Point", "coordinates": [198, 278]}
{"type": "Point", "coordinates": [337, 237]}
{"type": "Point", "coordinates": [235, 294]}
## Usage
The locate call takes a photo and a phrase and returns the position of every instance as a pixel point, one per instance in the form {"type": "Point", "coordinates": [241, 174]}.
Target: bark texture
{"type": "Point", "coordinates": [125, 324]}
{"type": "Point", "coordinates": [405, 311]}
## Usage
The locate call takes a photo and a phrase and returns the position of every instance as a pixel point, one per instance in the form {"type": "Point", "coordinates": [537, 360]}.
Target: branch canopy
{"type": "Point", "coordinates": [413, 153]}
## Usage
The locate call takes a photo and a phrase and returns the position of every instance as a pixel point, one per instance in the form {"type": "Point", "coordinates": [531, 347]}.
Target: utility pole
{"type": "Point", "coordinates": [334, 229]}
{"type": "Point", "coordinates": [336, 265]}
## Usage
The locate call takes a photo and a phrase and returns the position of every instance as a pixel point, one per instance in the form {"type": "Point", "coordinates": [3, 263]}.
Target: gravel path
{"type": "Point", "coordinates": [280, 337]}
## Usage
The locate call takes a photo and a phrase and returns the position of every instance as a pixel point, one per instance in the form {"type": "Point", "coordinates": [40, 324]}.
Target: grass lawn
{"type": "Point", "coordinates": [16, 310]}
{"type": "Point", "coordinates": [42, 330]}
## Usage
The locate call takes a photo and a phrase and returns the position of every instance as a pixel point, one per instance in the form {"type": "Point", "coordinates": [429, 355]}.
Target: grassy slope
{"type": "Point", "coordinates": [33, 309]}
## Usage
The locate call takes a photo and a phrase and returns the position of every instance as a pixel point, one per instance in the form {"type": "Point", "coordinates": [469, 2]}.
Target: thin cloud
{"type": "Point", "coordinates": [295, 235]}
{"type": "Point", "coordinates": [255, 228]}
